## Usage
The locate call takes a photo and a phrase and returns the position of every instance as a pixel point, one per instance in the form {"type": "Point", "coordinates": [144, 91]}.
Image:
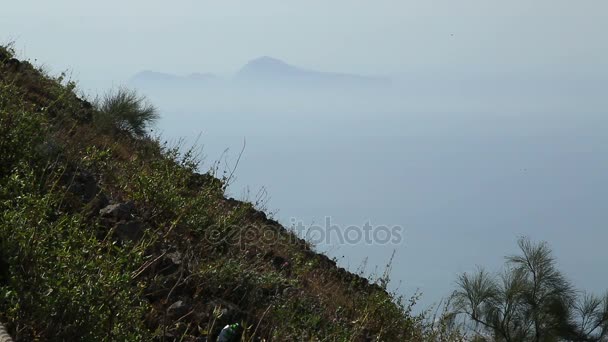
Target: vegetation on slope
{"type": "Point", "coordinates": [108, 234]}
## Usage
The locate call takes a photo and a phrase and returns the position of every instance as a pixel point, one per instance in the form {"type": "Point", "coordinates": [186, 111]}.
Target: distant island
{"type": "Point", "coordinates": [266, 71]}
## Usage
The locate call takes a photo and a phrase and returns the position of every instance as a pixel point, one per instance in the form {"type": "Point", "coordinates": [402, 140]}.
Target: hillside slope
{"type": "Point", "coordinates": [107, 236]}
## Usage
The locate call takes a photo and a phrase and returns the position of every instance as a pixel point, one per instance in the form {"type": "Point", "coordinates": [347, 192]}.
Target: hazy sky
{"type": "Point", "coordinates": [111, 40]}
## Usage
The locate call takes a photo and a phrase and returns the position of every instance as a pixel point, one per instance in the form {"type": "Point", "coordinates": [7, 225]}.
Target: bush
{"type": "Point", "coordinates": [20, 130]}
{"type": "Point", "coordinates": [125, 110]}
{"type": "Point", "coordinates": [61, 282]}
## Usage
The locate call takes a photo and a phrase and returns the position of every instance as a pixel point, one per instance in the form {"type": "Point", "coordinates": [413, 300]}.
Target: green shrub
{"type": "Point", "coordinates": [20, 130]}
{"type": "Point", "coordinates": [125, 110]}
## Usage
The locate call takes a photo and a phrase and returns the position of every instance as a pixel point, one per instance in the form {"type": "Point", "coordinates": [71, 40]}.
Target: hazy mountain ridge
{"type": "Point", "coordinates": [267, 71]}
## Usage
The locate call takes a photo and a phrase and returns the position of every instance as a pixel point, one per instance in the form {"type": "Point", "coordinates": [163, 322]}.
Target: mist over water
{"type": "Point", "coordinates": [465, 165]}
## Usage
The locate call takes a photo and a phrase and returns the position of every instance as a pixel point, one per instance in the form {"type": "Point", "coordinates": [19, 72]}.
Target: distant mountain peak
{"type": "Point", "coordinates": [266, 60]}
{"type": "Point", "coordinates": [267, 66]}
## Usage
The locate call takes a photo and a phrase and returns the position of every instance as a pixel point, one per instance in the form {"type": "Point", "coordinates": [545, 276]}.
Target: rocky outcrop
{"type": "Point", "coordinates": [119, 211]}
{"type": "Point", "coordinates": [122, 217]}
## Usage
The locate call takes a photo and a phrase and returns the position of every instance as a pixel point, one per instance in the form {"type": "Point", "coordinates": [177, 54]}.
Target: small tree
{"type": "Point", "coordinates": [125, 110]}
{"type": "Point", "coordinates": [530, 301]}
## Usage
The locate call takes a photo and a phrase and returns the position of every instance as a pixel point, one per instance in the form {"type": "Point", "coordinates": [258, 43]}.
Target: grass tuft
{"type": "Point", "coordinates": [125, 110]}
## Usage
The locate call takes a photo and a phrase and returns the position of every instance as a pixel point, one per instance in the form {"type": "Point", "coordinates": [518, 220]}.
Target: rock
{"type": "Point", "coordinates": [289, 291]}
{"type": "Point", "coordinates": [85, 104]}
{"type": "Point", "coordinates": [13, 63]}
{"type": "Point", "coordinates": [259, 215]}
{"type": "Point", "coordinates": [120, 211]}
{"type": "Point", "coordinates": [176, 305]}
{"type": "Point", "coordinates": [169, 264]}
{"type": "Point", "coordinates": [199, 181]}
{"type": "Point", "coordinates": [129, 230]}
{"type": "Point", "coordinates": [100, 201]}
{"type": "Point", "coordinates": [83, 184]}
{"type": "Point", "coordinates": [175, 257]}
{"type": "Point", "coordinates": [279, 262]}
{"type": "Point", "coordinates": [178, 309]}
{"type": "Point", "coordinates": [229, 311]}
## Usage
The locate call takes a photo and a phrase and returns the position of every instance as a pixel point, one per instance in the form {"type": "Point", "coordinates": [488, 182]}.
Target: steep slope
{"type": "Point", "coordinates": [115, 237]}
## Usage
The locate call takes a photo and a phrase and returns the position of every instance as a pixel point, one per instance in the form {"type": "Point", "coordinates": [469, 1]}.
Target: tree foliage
{"type": "Point", "coordinates": [530, 300]}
